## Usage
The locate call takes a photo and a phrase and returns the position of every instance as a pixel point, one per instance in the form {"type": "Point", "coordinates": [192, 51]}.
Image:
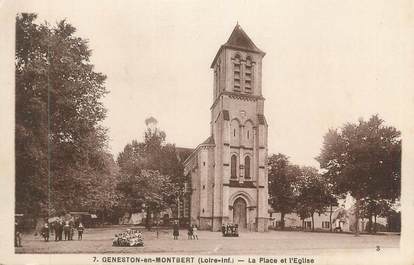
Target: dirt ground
{"type": "Point", "coordinates": [99, 240]}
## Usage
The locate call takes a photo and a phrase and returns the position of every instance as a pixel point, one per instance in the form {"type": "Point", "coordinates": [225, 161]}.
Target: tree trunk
{"type": "Point", "coordinates": [370, 223]}
{"type": "Point", "coordinates": [313, 223]}
{"type": "Point", "coordinates": [103, 217]}
{"type": "Point", "coordinates": [147, 219]}
{"type": "Point", "coordinates": [330, 219]}
{"type": "Point", "coordinates": [282, 221]}
{"type": "Point", "coordinates": [375, 223]}
{"type": "Point", "coordinates": [357, 217]}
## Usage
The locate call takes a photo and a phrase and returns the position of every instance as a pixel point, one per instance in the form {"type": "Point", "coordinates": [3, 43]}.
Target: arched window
{"type": "Point", "coordinates": [235, 132]}
{"type": "Point", "coordinates": [236, 72]}
{"type": "Point", "coordinates": [247, 167]}
{"type": "Point", "coordinates": [248, 137]}
{"type": "Point", "coordinates": [233, 173]}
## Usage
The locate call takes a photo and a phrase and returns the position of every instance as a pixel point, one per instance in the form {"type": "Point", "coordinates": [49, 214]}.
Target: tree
{"type": "Point", "coordinates": [149, 191]}
{"type": "Point", "coordinates": [364, 160]}
{"type": "Point", "coordinates": [282, 180]}
{"type": "Point", "coordinates": [151, 155]}
{"type": "Point", "coordinates": [31, 135]}
{"type": "Point", "coordinates": [61, 155]}
{"type": "Point", "coordinates": [372, 208]}
{"type": "Point", "coordinates": [314, 194]}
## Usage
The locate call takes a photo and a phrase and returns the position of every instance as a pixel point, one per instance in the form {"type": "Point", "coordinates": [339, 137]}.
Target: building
{"type": "Point", "coordinates": [322, 221]}
{"type": "Point", "coordinates": [339, 218]}
{"type": "Point", "coordinates": [227, 172]}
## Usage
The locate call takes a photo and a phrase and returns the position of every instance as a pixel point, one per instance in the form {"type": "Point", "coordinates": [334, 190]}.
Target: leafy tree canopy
{"type": "Point", "coordinates": [282, 178]}
{"type": "Point", "coordinates": [61, 157]}
{"type": "Point", "coordinates": [152, 157]}
{"type": "Point", "coordinates": [314, 193]}
{"type": "Point", "coordinates": [363, 159]}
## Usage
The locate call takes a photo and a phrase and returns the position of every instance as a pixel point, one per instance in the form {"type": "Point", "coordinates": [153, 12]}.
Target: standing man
{"type": "Point", "coordinates": [71, 230]}
{"type": "Point", "coordinates": [56, 227]}
{"type": "Point", "coordinates": [60, 230]}
{"type": "Point", "coordinates": [66, 230]}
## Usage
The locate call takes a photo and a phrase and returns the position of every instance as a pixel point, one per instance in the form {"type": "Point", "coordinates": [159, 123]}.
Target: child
{"type": "Point", "coordinates": [115, 241]}
{"type": "Point", "coordinates": [190, 232]}
{"type": "Point", "coordinates": [80, 231]}
{"type": "Point", "coordinates": [195, 236]}
{"type": "Point", "coordinates": [45, 232]}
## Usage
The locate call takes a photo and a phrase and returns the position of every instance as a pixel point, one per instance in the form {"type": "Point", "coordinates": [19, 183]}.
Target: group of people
{"type": "Point", "coordinates": [230, 230]}
{"type": "Point", "coordinates": [191, 232]}
{"type": "Point", "coordinates": [130, 238]}
{"type": "Point", "coordinates": [60, 228]}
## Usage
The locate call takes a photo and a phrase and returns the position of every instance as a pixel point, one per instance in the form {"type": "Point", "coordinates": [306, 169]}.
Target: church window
{"type": "Point", "coordinates": [234, 132]}
{"type": "Point", "coordinates": [204, 187]}
{"type": "Point", "coordinates": [248, 75]}
{"type": "Point", "coordinates": [233, 166]}
{"type": "Point", "coordinates": [237, 72]}
{"type": "Point", "coordinates": [204, 163]}
{"type": "Point", "coordinates": [248, 136]}
{"type": "Point", "coordinates": [247, 167]}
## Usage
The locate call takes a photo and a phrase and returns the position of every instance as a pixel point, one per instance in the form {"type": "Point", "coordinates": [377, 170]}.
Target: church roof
{"type": "Point", "coordinates": [238, 40]}
{"type": "Point", "coordinates": [209, 140]}
{"type": "Point", "coordinates": [183, 153]}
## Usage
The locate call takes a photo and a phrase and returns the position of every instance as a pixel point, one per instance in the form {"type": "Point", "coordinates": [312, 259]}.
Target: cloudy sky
{"type": "Point", "coordinates": [326, 63]}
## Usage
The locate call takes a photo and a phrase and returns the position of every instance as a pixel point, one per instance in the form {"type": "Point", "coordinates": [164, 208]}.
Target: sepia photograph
{"type": "Point", "coordinates": [208, 132]}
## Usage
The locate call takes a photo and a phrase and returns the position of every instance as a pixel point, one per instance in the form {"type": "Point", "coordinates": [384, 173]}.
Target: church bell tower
{"type": "Point", "coordinates": [239, 131]}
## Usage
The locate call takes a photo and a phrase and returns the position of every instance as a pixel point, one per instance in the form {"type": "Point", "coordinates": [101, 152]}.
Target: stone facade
{"type": "Point", "coordinates": [228, 171]}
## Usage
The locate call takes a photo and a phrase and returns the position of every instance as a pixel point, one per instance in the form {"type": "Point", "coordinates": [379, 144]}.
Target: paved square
{"type": "Point", "coordinates": [99, 240]}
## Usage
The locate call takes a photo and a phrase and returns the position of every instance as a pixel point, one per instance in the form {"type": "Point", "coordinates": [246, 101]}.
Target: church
{"type": "Point", "coordinates": [227, 172]}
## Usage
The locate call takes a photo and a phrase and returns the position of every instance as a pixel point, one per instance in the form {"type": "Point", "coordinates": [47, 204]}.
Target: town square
{"type": "Point", "coordinates": [274, 133]}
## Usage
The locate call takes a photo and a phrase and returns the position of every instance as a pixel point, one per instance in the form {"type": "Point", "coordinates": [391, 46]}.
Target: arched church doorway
{"type": "Point", "coordinates": [240, 213]}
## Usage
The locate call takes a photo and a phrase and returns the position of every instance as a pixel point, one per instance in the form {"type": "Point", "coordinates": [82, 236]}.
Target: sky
{"type": "Point", "coordinates": [326, 63]}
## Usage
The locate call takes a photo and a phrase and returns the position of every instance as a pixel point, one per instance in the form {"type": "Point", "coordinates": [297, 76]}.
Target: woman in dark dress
{"type": "Point", "coordinates": [176, 231]}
